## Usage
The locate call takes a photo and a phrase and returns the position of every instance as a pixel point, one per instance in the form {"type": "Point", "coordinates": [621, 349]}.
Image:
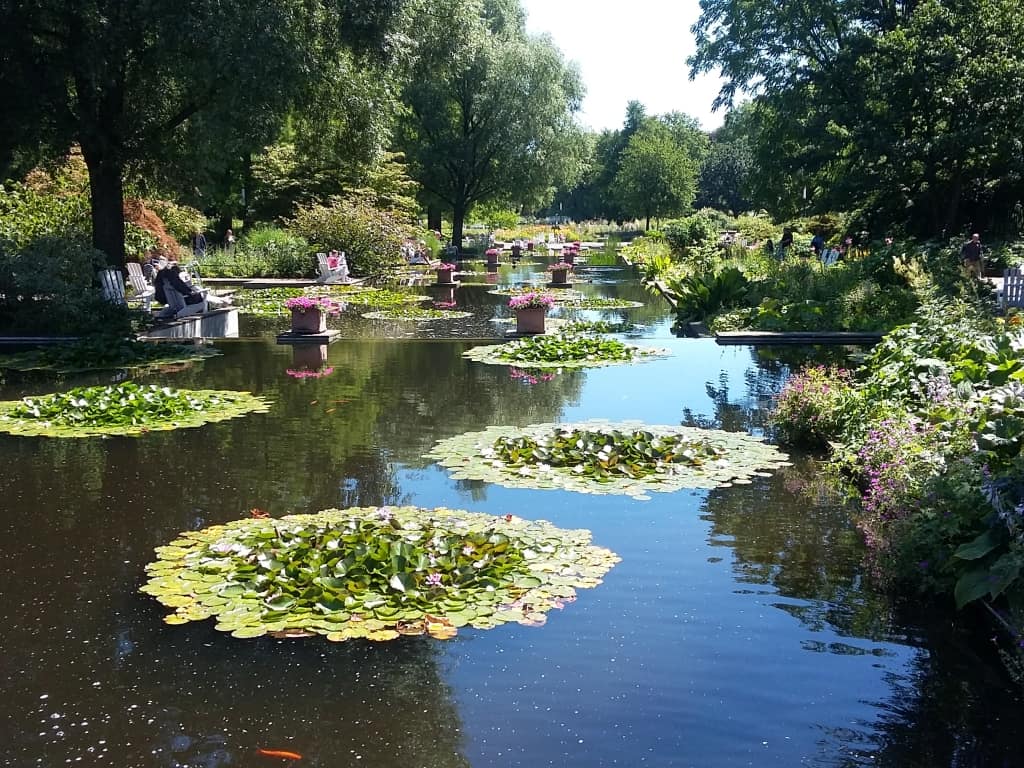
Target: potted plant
{"type": "Point", "coordinates": [560, 273]}
{"type": "Point", "coordinates": [492, 255]}
{"type": "Point", "coordinates": [444, 273]}
{"type": "Point", "coordinates": [309, 314]}
{"type": "Point", "coordinates": [530, 309]}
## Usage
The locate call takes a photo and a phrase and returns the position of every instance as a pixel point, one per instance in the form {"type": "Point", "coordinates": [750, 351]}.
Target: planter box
{"type": "Point", "coordinates": [530, 319]}
{"type": "Point", "coordinates": [444, 276]}
{"type": "Point", "coordinates": [310, 321]}
{"type": "Point", "coordinates": [559, 276]}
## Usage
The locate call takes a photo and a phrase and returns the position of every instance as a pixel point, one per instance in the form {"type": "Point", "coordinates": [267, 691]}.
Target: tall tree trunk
{"type": "Point", "coordinates": [434, 217]}
{"type": "Point", "coordinates": [106, 195]}
{"type": "Point", "coordinates": [648, 227]}
{"type": "Point", "coordinates": [458, 217]}
{"type": "Point", "coordinates": [247, 184]}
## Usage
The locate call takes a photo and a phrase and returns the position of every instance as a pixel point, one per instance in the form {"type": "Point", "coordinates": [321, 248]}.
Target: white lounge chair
{"type": "Point", "coordinates": [112, 285]}
{"type": "Point", "coordinates": [142, 290]}
{"type": "Point", "coordinates": [338, 273]}
{"type": "Point", "coordinates": [829, 257]}
{"type": "Point", "coordinates": [1012, 294]}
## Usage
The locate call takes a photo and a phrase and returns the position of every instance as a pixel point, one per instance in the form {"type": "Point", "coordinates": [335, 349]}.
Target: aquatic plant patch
{"type": "Point", "coordinates": [567, 350]}
{"type": "Point", "coordinates": [416, 314]}
{"type": "Point", "coordinates": [269, 302]}
{"type": "Point", "coordinates": [602, 326]}
{"type": "Point", "coordinates": [382, 298]}
{"type": "Point", "coordinates": [373, 573]}
{"type": "Point", "coordinates": [627, 458]}
{"type": "Point", "coordinates": [125, 409]}
{"type": "Point", "coordinates": [98, 354]}
{"type": "Point", "coordinates": [596, 302]}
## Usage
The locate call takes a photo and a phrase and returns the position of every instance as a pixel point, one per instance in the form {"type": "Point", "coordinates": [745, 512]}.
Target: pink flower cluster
{"type": "Point", "coordinates": [308, 303]}
{"type": "Point", "coordinates": [559, 265]}
{"type": "Point", "coordinates": [446, 266]}
{"type": "Point", "coordinates": [305, 373]}
{"type": "Point", "coordinates": [529, 300]}
{"type": "Point", "coordinates": [528, 378]}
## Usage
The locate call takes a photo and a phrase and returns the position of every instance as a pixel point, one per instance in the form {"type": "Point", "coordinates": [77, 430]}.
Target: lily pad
{"type": "Point", "coordinates": [125, 409]}
{"type": "Point", "coordinates": [374, 573]}
{"type": "Point", "coordinates": [563, 350]}
{"type": "Point", "coordinates": [628, 458]}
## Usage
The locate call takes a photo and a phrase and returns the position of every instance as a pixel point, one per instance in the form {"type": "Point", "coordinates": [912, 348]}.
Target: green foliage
{"type": "Point", "coordinates": [373, 573]}
{"type": "Point", "coordinates": [125, 409]}
{"type": "Point", "coordinates": [757, 228]}
{"type": "Point", "coordinates": [47, 287]}
{"type": "Point", "coordinates": [28, 214]}
{"type": "Point", "coordinates": [685, 233]}
{"type": "Point", "coordinates": [262, 252]}
{"type": "Point", "coordinates": [657, 177]}
{"type": "Point", "coordinates": [371, 238]}
{"type": "Point", "coordinates": [180, 220]}
{"type": "Point", "coordinates": [416, 314]}
{"type": "Point", "coordinates": [700, 296]}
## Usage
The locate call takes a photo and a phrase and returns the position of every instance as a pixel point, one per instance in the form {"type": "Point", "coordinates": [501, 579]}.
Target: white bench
{"type": "Point", "coordinates": [1013, 289]}
{"type": "Point", "coordinates": [142, 290]}
{"type": "Point", "coordinates": [112, 285]}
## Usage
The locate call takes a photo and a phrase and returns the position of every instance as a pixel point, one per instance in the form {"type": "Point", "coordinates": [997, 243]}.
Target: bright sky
{"type": "Point", "coordinates": [626, 51]}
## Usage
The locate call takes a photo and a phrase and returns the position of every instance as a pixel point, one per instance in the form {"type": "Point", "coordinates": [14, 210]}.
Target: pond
{"type": "Point", "coordinates": [740, 628]}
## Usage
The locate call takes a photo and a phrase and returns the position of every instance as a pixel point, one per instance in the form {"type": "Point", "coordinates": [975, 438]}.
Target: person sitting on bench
{"type": "Point", "coordinates": [180, 297]}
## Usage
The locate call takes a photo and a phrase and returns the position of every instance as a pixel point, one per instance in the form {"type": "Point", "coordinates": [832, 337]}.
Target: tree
{"type": "Point", "coordinates": [120, 79]}
{"type": "Point", "coordinates": [657, 177]}
{"type": "Point", "coordinates": [490, 110]}
{"type": "Point", "coordinates": [904, 110]}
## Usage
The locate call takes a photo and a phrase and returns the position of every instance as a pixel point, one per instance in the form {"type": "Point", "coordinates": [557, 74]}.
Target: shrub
{"type": "Point", "coordinates": [758, 227]}
{"type": "Point", "coordinates": [48, 287]}
{"type": "Point", "coordinates": [690, 231]}
{"type": "Point", "coordinates": [810, 410]}
{"type": "Point", "coordinates": [27, 214]}
{"type": "Point", "coordinates": [371, 238]}
{"type": "Point", "coordinates": [180, 220]}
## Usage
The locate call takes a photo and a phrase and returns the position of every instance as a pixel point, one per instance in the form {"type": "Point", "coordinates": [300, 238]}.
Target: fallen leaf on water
{"type": "Point", "coordinates": [314, 402]}
{"type": "Point", "coordinates": [282, 753]}
{"type": "Point", "coordinates": [330, 410]}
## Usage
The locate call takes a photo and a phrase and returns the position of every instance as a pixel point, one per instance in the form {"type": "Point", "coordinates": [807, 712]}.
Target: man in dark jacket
{"type": "Point", "coordinates": [178, 295]}
{"type": "Point", "coordinates": [971, 256]}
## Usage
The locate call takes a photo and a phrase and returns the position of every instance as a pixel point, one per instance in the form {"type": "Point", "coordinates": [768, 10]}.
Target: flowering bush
{"type": "Point", "coordinates": [810, 408]}
{"type": "Point", "coordinates": [531, 301]}
{"type": "Point", "coordinates": [308, 303]}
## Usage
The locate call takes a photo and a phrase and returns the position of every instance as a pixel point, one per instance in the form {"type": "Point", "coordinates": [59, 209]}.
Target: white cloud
{"type": "Point", "coordinates": [629, 51]}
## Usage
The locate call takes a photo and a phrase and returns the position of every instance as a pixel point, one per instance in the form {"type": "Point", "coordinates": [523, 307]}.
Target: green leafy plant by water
{"type": "Point", "coordinates": [124, 409]}
{"type": "Point", "coordinates": [562, 350]}
{"type": "Point", "coordinates": [373, 573]}
{"type": "Point", "coordinates": [627, 458]}
{"type": "Point", "coordinates": [597, 302]}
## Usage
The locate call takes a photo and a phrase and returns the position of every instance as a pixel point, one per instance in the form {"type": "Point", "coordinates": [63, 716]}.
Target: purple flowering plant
{"type": "Point", "coordinates": [810, 409]}
{"type": "Point", "coordinates": [559, 265]}
{"type": "Point", "coordinates": [445, 266]}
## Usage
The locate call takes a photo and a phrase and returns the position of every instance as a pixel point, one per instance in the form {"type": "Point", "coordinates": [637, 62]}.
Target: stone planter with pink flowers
{"type": "Point", "coordinates": [530, 309]}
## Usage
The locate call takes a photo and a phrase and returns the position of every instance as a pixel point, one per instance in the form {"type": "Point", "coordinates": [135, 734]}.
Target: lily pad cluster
{"type": "Point", "coordinates": [601, 326]}
{"type": "Point", "coordinates": [558, 296]}
{"type": "Point", "coordinates": [105, 353]}
{"type": "Point", "coordinates": [607, 458]}
{"type": "Point", "coordinates": [124, 409]}
{"type": "Point", "coordinates": [597, 302]}
{"type": "Point", "coordinates": [269, 302]}
{"type": "Point", "coordinates": [373, 573]}
{"type": "Point", "coordinates": [565, 350]}
{"type": "Point", "coordinates": [416, 314]}
{"type": "Point", "coordinates": [382, 298]}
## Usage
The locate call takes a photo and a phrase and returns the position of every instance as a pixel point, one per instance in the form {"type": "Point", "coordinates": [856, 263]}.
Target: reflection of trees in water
{"type": "Point", "coordinates": [791, 533]}
{"type": "Point", "coordinates": [382, 705]}
{"type": "Point", "coordinates": [748, 414]}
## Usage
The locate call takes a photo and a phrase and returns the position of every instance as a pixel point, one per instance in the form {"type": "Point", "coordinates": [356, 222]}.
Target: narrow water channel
{"type": "Point", "coordinates": [739, 629]}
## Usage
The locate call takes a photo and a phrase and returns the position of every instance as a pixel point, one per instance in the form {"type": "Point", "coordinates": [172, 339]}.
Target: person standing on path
{"type": "Point", "coordinates": [971, 256]}
{"type": "Point", "coordinates": [198, 244]}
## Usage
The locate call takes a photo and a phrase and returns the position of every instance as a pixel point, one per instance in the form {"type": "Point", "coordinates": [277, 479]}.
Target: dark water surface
{"type": "Point", "coordinates": [739, 628]}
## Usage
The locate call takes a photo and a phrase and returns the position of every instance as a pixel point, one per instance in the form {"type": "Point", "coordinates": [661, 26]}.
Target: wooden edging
{"type": "Point", "coordinates": [766, 338]}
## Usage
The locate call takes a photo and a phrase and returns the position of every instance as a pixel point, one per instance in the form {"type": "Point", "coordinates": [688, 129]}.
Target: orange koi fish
{"type": "Point", "coordinates": [283, 754]}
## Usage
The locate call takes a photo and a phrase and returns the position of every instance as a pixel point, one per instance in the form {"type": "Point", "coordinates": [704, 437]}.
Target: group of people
{"type": "Point", "coordinates": [173, 288]}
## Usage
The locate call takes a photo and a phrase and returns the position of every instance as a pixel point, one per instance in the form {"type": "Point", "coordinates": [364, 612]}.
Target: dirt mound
{"type": "Point", "coordinates": [145, 218]}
